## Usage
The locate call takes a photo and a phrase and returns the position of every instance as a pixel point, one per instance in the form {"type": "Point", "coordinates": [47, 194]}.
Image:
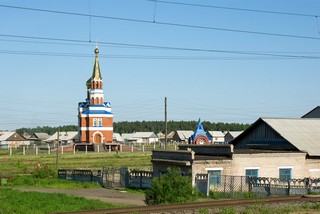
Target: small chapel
{"type": "Point", "coordinates": [95, 119]}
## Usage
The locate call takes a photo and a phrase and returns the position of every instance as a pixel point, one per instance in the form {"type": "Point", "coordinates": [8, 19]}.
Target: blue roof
{"type": "Point", "coordinates": [199, 131]}
{"type": "Point", "coordinates": [96, 112]}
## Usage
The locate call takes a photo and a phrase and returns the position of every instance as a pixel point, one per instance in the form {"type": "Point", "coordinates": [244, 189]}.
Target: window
{"type": "Point", "coordinates": [95, 122]}
{"type": "Point", "coordinates": [214, 178]}
{"type": "Point", "coordinates": [251, 173]}
{"type": "Point", "coordinates": [100, 122]}
{"type": "Point", "coordinates": [285, 173]}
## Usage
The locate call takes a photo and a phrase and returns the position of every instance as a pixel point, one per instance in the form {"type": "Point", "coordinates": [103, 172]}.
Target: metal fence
{"type": "Point", "coordinates": [222, 186]}
{"type": "Point", "coordinates": [274, 186]}
{"type": "Point", "coordinates": [81, 175]}
{"type": "Point", "coordinates": [110, 177]}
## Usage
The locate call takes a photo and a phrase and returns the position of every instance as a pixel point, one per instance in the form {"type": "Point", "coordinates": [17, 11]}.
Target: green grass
{"type": "Point", "coordinates": [18, 164]}
{"type": "Point", "coordinates": [14, 201]}
{"type": "Point", "coordinates": [30, 181]}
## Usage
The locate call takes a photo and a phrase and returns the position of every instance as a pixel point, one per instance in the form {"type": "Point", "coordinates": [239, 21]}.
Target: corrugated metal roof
{"type": "Point", "coordinates": [184, 134]}
{"type": "Point", "coordinates": [234, 134]}
{"type": "Point", "coordinates": [302, 133]}
{"type": "Point", "coordinates": [216, 133]}
{"type": "Point", "coordinates": [5, 135]}
{"type": "Point", "coordinates": [118, 137]}
{"type": "Point", "coordinates": [63, 136]}
{"type": "Point", "coordinates": [144, 135]}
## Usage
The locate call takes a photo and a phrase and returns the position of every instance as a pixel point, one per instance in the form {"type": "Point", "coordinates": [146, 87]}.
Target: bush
{"type": "Point", "coordinates": [44, 172]}
{"type": "Point", "coordinates": [171, 187]}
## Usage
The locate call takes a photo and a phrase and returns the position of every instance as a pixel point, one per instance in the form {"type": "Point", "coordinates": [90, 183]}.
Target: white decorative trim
{"type": "Point", "coordinates": [314, 170]}
{"type": "Point", "coordinates": [96, 115]}
{"type": "Point", "coordinates": [96, 128]}
{"type": "Point", "coordinates": [219, 168]}
{"type": "Point", "coordinates": [285, 167]}
{"type": "Point", "coordinates": [251, 168]}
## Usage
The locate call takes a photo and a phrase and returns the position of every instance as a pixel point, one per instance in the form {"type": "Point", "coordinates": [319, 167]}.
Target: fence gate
{"type": "Point", "coordinates": [111, 177]}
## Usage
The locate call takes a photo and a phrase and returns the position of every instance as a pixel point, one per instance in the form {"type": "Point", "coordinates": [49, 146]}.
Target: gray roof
{"type": "Point", "coordinates": [184, 134]}
{"type": "Point", "coordinates": [40, 136]}
{"type": "Point", "coordinates": [64, 136]}
{"type": "Point", "coordinates": [234, 134]}
{"type": "Point", "coordinates": [303, 133]}
{"type": "Point", "coordinates": [117, 137]}
{"type": "Point", "coordinates": [216, 133]}
{"type": "Point", "coordinates": [5, 135]}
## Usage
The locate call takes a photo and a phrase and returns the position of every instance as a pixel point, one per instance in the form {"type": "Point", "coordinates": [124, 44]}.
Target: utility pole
{"type": "Point", "coordinates": [57, 152]}
{"type": "Point", "coordinates": [166, 123]}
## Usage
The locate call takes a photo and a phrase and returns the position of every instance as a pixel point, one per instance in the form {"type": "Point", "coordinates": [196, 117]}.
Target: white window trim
{"type": "Point", "coordinates": [314, 170]}
{"type": "Point", "coordinates": [211, 169]}
{"type": "Point", "coordinates": [245, 168]}
{"type": "Point", "coordinates": [285, 167]}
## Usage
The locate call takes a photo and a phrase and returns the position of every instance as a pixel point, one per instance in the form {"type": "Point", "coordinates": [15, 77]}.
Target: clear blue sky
{"type": "Point", "coordinates": [222, 61]}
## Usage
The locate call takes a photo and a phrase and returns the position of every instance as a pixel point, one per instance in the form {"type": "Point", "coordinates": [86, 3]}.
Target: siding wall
{"type": "Point", "coordinates": [263, 136]}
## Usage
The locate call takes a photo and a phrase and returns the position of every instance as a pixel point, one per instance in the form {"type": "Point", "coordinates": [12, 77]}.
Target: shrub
{"type": "Point", "coordinates": [171, 187]}
{"type": "Point", "coordinates": [44, 172]}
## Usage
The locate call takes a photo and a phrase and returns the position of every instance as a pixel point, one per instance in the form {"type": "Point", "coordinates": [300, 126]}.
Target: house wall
{"type": "Point", "coordinates": [268, 164]}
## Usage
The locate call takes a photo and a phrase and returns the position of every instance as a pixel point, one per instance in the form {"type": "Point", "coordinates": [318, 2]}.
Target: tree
{"type": "Point", "coordinates": [170, 188]}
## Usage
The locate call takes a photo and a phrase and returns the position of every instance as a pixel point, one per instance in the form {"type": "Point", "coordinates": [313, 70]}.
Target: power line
{"type": "Point", "coordinates": [234, 8]}
{"type": "Point", "coordinates": [164, 23]}
{"type": "Point", "coordinates": [154, 47]}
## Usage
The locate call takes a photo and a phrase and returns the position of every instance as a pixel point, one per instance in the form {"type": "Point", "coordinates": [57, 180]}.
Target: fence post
{"type": "Point", "coordinates": [86, 149]}
{"type": "Point", "coordinates": [10, 151]}
{"type": "Point", "coordinates": [49, 149]}
{"type": "Point", "coordinates": [131, 148]}
{"type": "Point", "coordinates": [74, 149]}
{"type": "Point", "coordinates": [36, 150]}
{"type": "Point", "coordinates": [24, 150]}
{"type": "Point", "coordinates": [288, 186]}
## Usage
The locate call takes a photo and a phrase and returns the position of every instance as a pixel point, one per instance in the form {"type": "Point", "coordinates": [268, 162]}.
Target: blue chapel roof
{"type": "Point", "coordinates": [96, 112]}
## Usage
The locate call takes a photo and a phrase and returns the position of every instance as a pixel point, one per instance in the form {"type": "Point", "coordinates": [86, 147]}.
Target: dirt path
{"type": "Point", "coordinates": [105, 195]}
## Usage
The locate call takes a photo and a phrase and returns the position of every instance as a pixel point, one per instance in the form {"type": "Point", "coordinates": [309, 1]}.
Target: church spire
{"type": "Point", "coordinates": [96, 74]}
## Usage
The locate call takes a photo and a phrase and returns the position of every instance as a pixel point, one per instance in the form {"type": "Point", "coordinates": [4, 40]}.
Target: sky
{"type": "Point", "coordinates": [221, 61]}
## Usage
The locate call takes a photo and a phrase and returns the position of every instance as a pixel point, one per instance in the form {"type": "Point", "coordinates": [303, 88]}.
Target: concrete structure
{"type": "Point", "coordinates": [95, 120]}
{"type": "Point", "coordinates": [279, 148]}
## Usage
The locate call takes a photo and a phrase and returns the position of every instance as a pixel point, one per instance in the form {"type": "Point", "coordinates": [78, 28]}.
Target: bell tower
{"type": "Point", "coordinates": [95, 119]}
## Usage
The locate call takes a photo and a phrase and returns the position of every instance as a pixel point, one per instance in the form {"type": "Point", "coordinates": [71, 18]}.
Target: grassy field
{"type": "Point", "coordinates": [19, 164]}
{"type": "Point", "coordinates": [13, 201]}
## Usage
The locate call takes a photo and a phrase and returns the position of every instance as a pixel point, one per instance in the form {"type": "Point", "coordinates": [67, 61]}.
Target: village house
{"type": "Point", "coordinates": [230, 135]}
{"type": "Point", "coordinates": [66, 138]}
{"type": "Point", "coordinates": [12, 139]}
{"type": "Point", "coordinates": [217, 137]}
{"type": "Point", "coordinates": [141, 137]}
{"type": "Point", "coordinates": [182, 136]}
{"type": "Point", "coordinates": [270, 147]}
{"type": "Point", "coordinates": [39, 137]}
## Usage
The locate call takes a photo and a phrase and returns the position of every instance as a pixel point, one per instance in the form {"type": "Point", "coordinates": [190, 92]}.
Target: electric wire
{"type": "Point", "coordinates": [162, 47]}
{"type": "Point", "coordinates": [164, 23]}
{"type": "Point", "coordinates": [234, 8]}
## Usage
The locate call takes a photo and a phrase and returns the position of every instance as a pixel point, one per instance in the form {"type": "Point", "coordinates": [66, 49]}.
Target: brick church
{"type": "Point", "coordinates": [95, 119]}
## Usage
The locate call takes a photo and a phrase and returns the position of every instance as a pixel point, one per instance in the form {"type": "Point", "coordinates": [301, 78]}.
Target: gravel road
{"type": "Point", "coordinates": [105, 195]}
